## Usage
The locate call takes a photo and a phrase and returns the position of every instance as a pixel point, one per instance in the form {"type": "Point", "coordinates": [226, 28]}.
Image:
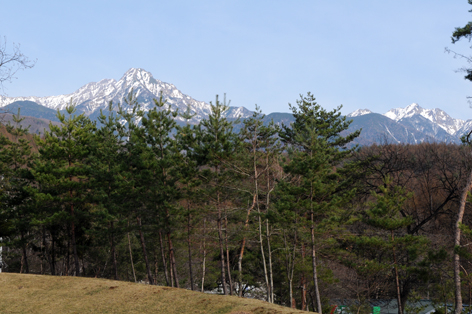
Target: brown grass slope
{"type": "Point", "coordinates": [22, 293]}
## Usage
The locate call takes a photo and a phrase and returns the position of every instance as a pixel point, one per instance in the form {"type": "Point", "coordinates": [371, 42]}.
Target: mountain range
{"type": "Point", "coordinates": [412, 124]}
{"type": "Point", "coordinates": [92, 97]}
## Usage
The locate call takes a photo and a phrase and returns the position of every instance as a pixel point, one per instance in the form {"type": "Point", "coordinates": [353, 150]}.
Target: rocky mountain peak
{"type": "Point", "coordinates": [94, 96]}
{"type": "Point", "coordinates": [437, 116]}
{"type": "Point", "coordinates": [359, 112]}
{"type": "Point", "coordinates": [400, 113]}
{"type": "Point", "coordinates": [139, 75]}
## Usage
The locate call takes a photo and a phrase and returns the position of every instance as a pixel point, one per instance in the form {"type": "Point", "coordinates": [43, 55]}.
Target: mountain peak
{"type": "Point", "coordinates": [92, 97]}
{"type": "Point", "coordinates": [413, 106]}
{"type": "Point", "coordinates": [400, 113]}
{"type": "Point", "coordinates": [138, 74]}
{"type": "Point", "coordinates": [437, 116]}
{"type": "Point", "coordinates": [359, 112]}
{"type": "Point", "coordinates": [135, 71]}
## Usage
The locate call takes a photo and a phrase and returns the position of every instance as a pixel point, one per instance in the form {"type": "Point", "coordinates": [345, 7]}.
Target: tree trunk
{"type": "Point", "coordinates": [228, 264]}
{"type": "Point", "coordinates": [220, 238]}
{"type": "Point", "coordinates": [143, 245]}
{"type": "Point", "coordinates": [84, 271]}
{"type": "Point", "coordinates": [66, 261]}
{"type": "Point", "coordinates": [204, 254]}
{"type": "Point", "coordinates": [269, 252]}
{"type": "Point", "coordinates": [53, 255]}
{"type": "Point", "coordinates": [290, 265]}
{"type": "Point", "coordinates": [131, 255]}
{"type": "Point", "coordinates": [74, 244]}
{"type": "Point", "coordinates": [241, 252]}
{"type": "Point", "coordinates": [172, 260]}
{"type": "Point", "coordinates": [25, 260]}
{"type": "Point", "coordinates": [264, 264]}
{"type": "Point", "coordinates": [163, 256]}
{"type": "Point", "coordinates": [397, 279]}
{"type": "Point", "coordinates": [171, 274]}
{"type": "Point", "coordinates": [315, 272]}
{"type": "Point", "coordinates": [189, 247]}
{"type": "Point", "coordinates": [25, 256]}
{"type": "Point", "coordinates": [41, 270]}
{"type": "Point", "coordinates": [271, 277]}
{"type": "Point", "coordinates": [303, 281]}
{"type": "Point", "coordinates": [45, 253]}
{"type": "Point", "coordinates": [457, 243]}
{"type": "Point", "coordinates": [156, 267]}
{"type": "Point", "coordinates": [113, 252]}
{"type": "Point", "coordinates": [405, 292]}
{"type": "Point", "coordinates": [72, 213]}
{"type": "Point", "coordinates": [313, 256]}
{"type": "Point", "coordinates": [21, 264]}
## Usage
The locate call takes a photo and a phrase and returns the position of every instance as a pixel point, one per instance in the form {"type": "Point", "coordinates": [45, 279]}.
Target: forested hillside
{"type": "Point", "coordinates": [288, 214]}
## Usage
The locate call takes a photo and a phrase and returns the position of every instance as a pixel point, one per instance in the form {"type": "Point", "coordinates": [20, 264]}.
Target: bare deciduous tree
{"type": "Point", "coordinates": [11, 61]}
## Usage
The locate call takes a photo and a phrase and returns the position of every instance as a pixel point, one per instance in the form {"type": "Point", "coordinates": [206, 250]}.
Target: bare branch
{"type": "Point", "coordinates": [11, 62]}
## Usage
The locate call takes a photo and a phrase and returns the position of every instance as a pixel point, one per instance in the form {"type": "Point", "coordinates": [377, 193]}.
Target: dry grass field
{"type": "Point", "coordinates": [22, 293]}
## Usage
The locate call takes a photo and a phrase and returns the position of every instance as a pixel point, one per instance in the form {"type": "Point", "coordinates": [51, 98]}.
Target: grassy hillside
{"type": "Point", "coordinates": [21, 293]}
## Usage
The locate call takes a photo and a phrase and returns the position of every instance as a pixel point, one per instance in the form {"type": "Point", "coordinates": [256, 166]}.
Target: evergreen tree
{"type": "Point", "coordinates": [108, 184]}
{"type": "Point", "coordinates": [316, 148]}
{"type": "Point", "coordinates": [63, 173]}
{"type": "Point", "coordinates": [458, 34]}
{"type": "Point", "coordinates": [388, 245]}
{"type": "Point", "coordinates": [162, 161]}
{"type": "Point", "coordinates": [216, 144]}
{"type": "Point", "coordinates": [188, 177]}
{"type": "Point", "coordinates": [134, 170]}
{"type": "Point", "coordinates": [17, 207]}
{"type": "Point", "coordinates": [259, 156]}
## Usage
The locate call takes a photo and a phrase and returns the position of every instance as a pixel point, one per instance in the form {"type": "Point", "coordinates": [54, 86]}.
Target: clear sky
{"type": "Point", "coordinates": [372, 54]}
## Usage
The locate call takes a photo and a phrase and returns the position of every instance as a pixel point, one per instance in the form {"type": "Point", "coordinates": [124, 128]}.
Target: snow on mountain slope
{"type": "Point", "coordinates": [465, 129]}
{"type": "Point", "coordinates": [437, 116]}
{"type": "Point", "coordinates": [359, 112]}
{"type": "Point", "coordinates": [238, 112]}
{"type": "Point", "coordinates": [92, 97]}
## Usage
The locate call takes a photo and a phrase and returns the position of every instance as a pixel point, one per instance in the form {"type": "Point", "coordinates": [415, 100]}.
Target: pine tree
{"type": "Point", "coordinates": [257, 160]}
{"type": "Point", "coordinates": [316, 148]}
{"type": "Point", "coordinates": [188, 177]}
{"type": "Point", "coordinates": [134, 170]}
{"type": "Point", "coordinates": [459, 33]}
{"type": "Point", "coordinates": [18, 210]}
{"type": "Point", "coordinates": [63, 173]}
{"type": "Point", "coordinates": [162, 160]}
{"type": "Point", "coordinates": [389, 244]}
{"type": "Point", "coordinates": [216, 143]}
{"type": "Point", "coordinates": [108, 183]}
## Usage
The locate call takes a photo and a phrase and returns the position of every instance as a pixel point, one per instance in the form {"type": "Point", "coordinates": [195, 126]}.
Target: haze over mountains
{"type": "Point", "coordinates": [412, 124]}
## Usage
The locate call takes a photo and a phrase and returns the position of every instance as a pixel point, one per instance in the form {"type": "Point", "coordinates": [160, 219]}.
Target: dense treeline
{"type": "Point", "coordinates": [294, 214]}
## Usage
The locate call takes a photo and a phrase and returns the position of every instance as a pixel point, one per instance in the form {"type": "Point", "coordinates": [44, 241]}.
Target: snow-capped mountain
{"type": "Point", "coordinates": [92, 97]}
{"type": "Point", "coordinates": [359, 112]}
{"type": "Point", "coordinates": [412, 124]}
{"type": "Point", "coordinates": [431, 124]}
{"type": "Point", "coordinates": [436, 116]}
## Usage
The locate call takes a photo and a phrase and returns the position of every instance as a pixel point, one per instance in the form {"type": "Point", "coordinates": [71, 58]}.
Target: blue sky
{"type": "Point", "coordinates": [361, 54]}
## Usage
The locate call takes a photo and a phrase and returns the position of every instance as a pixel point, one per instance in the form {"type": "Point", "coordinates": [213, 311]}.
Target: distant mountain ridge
{"type": "Point", "coordinates": [433, 124]}
{"type": "Point", "coordinates": [412, 124]}
{"type": "Point", "coordinates": [94, 96]}
{"type": "Point", "coordinates": [436, 116]}
{"type": "Point", "coordinates": [31, 109]}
